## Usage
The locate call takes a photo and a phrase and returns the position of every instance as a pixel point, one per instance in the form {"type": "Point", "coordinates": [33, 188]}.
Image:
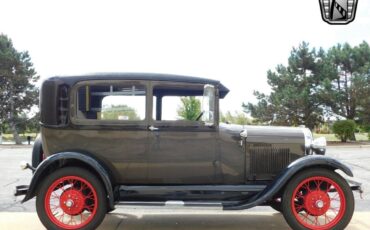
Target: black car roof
{"type": "Point", "coordinates": [71, 80]}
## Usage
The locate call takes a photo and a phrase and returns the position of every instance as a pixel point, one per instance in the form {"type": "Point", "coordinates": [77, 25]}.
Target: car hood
{"type": "Point", "coordinates": [274, 134]}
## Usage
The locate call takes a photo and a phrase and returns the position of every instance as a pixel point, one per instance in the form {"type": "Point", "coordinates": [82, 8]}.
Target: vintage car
{"type": "Point", "coordinates": [110, 139]}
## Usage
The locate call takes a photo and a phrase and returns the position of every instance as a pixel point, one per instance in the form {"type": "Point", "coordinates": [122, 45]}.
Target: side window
{"type": "Point", "coordinates": [178, 103]}
{"type": "Point", "coordinates": [175, 108]}
{"type": "Point", "coordinates": [113, 102]}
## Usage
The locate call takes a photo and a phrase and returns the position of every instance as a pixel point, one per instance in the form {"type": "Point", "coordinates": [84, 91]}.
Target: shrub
{"type": "Point", "coordinates": [365, 128]}
{"type": "Point", "coordinates": [344, 130]}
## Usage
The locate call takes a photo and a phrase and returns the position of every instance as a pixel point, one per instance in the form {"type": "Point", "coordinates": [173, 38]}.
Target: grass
{"type": "Point", "coordinates": [9, 137]}
{"type": "Point", "coordinates": [332, 137]}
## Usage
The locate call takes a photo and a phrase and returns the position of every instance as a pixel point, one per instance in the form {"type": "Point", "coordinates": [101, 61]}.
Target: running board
{"type": "Point", "coordinates": [172, 203]}
{"type": "Point", "coordinates": [172, 188]}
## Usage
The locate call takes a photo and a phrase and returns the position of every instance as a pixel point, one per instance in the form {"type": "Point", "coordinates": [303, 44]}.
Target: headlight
{"type": "Point", "coordinates": [319, 145]}
{"type": "Point", "coordinates": [307, 140]}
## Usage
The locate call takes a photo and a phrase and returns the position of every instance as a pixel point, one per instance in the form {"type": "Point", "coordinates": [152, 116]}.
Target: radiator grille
{"type": "Point", "coordinates": [268, 160]}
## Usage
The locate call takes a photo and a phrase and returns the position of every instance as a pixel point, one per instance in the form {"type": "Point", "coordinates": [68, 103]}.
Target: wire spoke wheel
{"type": "Point", "coordinates": [71, 202]}
{"type": "Point", "coordinates": [318, 199]}
{"type": "Point", "coordinates": [318, 203]}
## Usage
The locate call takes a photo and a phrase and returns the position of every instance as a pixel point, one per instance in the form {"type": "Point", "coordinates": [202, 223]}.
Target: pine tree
{"type": "Point", "coordinates": [17, 90]}
{"type": "Point", "coordinates": [292, 101]}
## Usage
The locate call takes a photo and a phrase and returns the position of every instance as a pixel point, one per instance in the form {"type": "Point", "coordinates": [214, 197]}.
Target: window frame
{"type": "Point", "coordinates": [180, 123]}
{"type": "Point", "coordinates": [91, 122]}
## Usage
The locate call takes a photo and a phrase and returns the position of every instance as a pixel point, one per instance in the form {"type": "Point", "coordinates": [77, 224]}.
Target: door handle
{"type": "Point", "coordinates": [152, 128]}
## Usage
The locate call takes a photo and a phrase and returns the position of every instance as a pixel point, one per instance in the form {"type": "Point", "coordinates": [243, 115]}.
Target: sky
{"type": "Point", "coordinates": [235, 42]}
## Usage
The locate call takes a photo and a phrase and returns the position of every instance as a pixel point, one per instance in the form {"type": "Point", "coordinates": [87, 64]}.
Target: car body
{"type": "Point", "coordinates": [113, 129]}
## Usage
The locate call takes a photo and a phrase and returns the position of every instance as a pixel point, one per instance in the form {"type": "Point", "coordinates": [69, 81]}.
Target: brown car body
{"type": "Point", "coordinates": [176, 153]}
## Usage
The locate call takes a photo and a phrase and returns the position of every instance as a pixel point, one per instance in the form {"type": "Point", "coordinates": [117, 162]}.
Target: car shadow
{"type": "Point", "coordinates": [253, 221]}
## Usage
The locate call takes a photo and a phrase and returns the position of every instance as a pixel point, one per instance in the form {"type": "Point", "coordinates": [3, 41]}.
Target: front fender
{"type": "Point", "coordinates": [59, 159]}
{"type": "Point", "coordinates": [302, 164]}
{"type": "Point", "coordinates": [283, 178]}
{"type": "Point", "coordinates": [318, 160]}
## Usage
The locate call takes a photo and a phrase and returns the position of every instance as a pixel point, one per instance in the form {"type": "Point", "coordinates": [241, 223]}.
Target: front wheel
{"type": "Point", "coordinates": [71, 198]}
{"type": "Point", "coordinates": [318, 199]}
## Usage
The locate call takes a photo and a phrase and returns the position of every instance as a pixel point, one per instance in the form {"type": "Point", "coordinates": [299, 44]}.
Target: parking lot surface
{"type": "Point", "coordinates": [14, 215]}
{"type": "Point", "coordinates": [183, 219]}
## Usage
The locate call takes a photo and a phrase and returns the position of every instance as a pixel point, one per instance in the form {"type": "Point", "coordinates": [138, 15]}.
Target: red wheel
{"type": "Point", "coordinates": [318, 199]}
{"type": "Point", "coordinates": [318, 203]}
{"type": "Point", "coordinates": [71, 201]}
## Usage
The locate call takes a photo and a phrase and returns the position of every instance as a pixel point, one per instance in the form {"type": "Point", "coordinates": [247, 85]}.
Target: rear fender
{"type": "Point", "coordinates": [59, 160]}
{"type": "Point", "coordinates": [37, 152]}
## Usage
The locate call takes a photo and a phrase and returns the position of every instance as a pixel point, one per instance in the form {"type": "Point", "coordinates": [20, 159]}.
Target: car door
{"type": "Point", "coordinates": [181, 151]}
{"type": "Point", "coordinates": [113, 126]}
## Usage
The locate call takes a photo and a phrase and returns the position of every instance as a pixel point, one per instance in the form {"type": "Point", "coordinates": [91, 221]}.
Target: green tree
{"type": "Point", "coordinates": [24, 124]}
{"type": "Point", "coordinates": [238, 118]}
{"type": "Point", "coordinates": [17, 90]}
{"type": "Point", "coordinates": [346, 86]}
{"type": "Point", "coordinates": [33, 123]}
{"type": "Point", "coordinates": [292, 100]}
{"type": "Point", "coordinates": [190, 108]}
{"type": "Point", "coordinates": [363, 108]}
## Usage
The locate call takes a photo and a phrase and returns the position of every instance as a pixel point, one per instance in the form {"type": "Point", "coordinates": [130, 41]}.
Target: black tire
{"type": "Point", "coordinates": [94, 204]}
{"type": "Point", "coordinates": [276, 205]}
{"type": "Point", "coordinates": [37, 153]}
{"type": "Point", "coordinates": [323, 204]}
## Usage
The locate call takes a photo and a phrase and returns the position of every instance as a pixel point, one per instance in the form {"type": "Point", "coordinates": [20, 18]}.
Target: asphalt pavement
{"type": "Point", "coordinates": [170, 217]}
{"type": "Point", "coordinates": [149, 219]}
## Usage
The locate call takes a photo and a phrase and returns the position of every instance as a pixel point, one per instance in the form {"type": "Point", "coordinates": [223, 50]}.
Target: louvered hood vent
{"type": "Point", "coordinates": [268, 160]}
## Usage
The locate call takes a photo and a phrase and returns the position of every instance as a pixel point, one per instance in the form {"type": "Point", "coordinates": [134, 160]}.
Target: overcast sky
{"type": "Point", "coordinates": [235, 42]}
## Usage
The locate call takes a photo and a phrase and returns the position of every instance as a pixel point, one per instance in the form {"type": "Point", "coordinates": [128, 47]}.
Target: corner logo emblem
{"type": "Point", "coordinates": [338, 12]}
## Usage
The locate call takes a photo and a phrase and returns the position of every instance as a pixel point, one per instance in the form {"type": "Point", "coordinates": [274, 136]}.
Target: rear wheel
{"type": "Point", "coordinates": [318, 199]}
{"type": "Point", "coordinates": [71, 198]}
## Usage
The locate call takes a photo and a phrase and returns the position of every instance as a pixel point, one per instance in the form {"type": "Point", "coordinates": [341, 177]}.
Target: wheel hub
{"type": "Point", "coordinates": [317, 203]}
{"type": "Point", "coordinates": [69, 203]}
{"type": "Point", "coordinates": [72, 202]}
